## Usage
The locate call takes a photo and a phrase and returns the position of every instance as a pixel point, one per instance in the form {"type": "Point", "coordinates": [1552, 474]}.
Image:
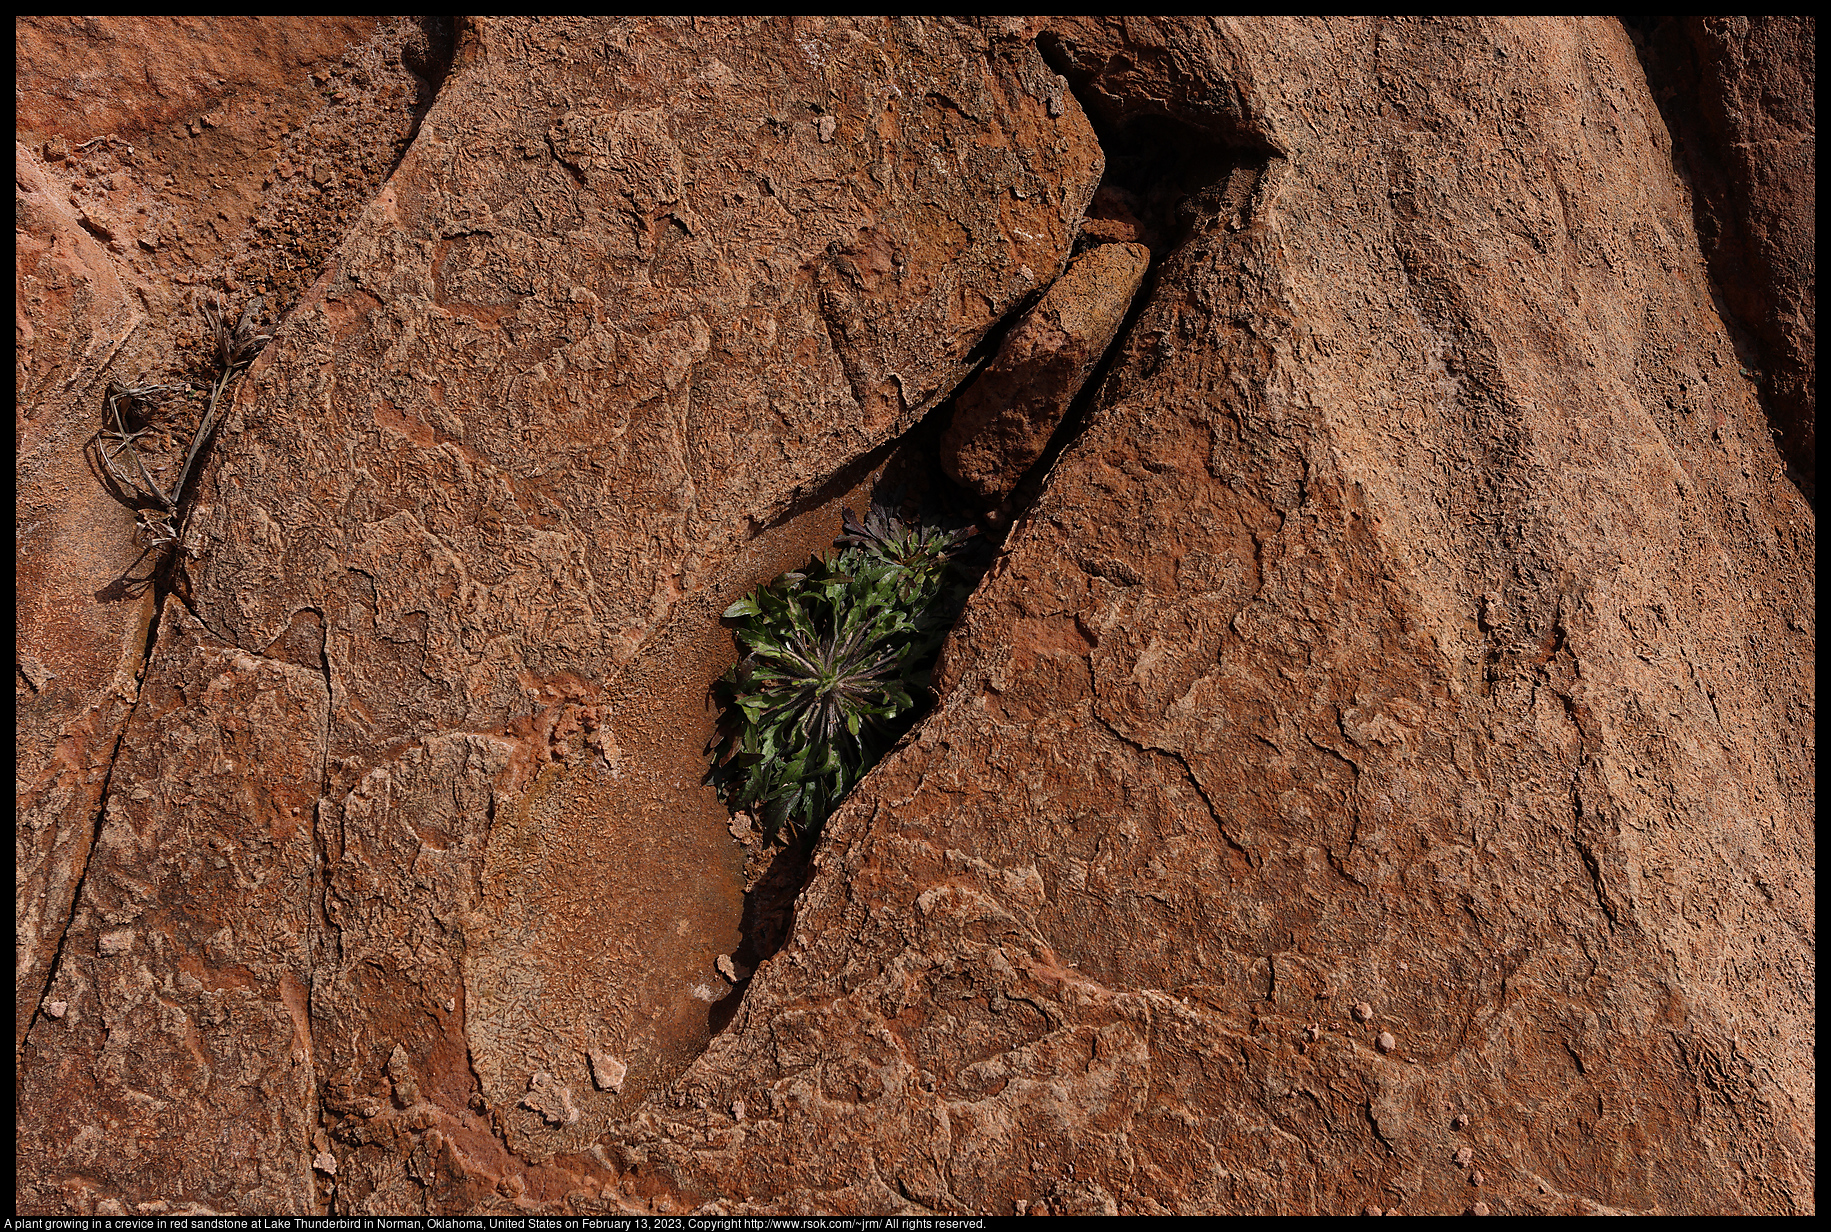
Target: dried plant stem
{"type": "Point", "coordinates": [233, 349]}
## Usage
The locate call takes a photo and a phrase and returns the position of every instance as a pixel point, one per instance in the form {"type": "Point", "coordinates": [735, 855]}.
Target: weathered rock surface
{"type": "Point", "coordinates": [530, 424]}
{"type": "Point", "coordinates": [1740, 95]}
{"type": "Point", "coordinates": [131, 74]}
{"type": "Point", "coordinates": [77, 661]}
{"type": "Point", "coordinates": [1423, 618]}
{"type": "Point", "coordinates": [1002, 422]}
{"type": "Point", "coordinates": [1389, 635]}
{"type": "Point", "coordinates": [124, 208]}
{"type": "Point", "coordinates": [186, 969]}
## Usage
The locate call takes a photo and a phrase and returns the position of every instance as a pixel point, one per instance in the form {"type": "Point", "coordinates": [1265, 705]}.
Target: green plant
{"type": "Point", "coordinates": [836, 660]}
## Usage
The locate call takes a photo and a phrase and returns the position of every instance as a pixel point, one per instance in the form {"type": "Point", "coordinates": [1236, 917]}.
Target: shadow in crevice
{"type": "Point", "coordinates": [1162, 177]}
{"type": "Point", "coordinates": [905, 472]}
{"type": "Point", "coordinates": [775, 874]}
{"type": "Point", "coordinates": [904, 479]}
{"type": "Point", "coordinates": [1170, 161]}
{"type": "Point", "coordinates": [1168, 180]}
{"type": "Point", "coordinates": [1753, 298]}
{"type": "Point", "coordinates": [427, 53]}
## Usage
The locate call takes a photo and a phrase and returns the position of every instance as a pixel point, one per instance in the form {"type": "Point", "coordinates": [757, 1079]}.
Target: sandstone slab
{"type": "Point", "coordinates": [1002, 422]}
{"type": "Point", "coordinates": [120, 215]}
{"type": "Point", "coordinates": [186, 969]}
{"type": "Point", "coordinates": [638, 297]}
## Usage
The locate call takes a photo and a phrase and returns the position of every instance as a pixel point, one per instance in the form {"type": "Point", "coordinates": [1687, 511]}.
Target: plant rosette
{"type": "Point", "coordinates": [836, 665]}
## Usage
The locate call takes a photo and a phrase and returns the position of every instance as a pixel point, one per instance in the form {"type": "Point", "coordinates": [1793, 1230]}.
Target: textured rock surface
{"type": "Point", "coordinates": [1002, 421]}
{"type": "Point", "coordinates": [539, 401]}
{"type": "Point", "coordinates": [1740, 94]}
{"type": "Point", "coordinates": [77, 660]}
{"type": "Point", "coordinates": [124, 205]}
{"type": "Point", "coordinates": [1423, 618]}
{"type": "Point", "coordinates": [80, 77]}
{"type": "Point", "coordinates": [186, 969]}
{"type": "Point", "coordinates": [1412, 624]}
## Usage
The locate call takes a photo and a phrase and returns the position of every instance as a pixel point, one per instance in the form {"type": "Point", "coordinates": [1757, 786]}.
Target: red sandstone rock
{"type": "Point", "coordinates": [1424, 616]}
{"type": "Point", "coordinates": [82, 77]}
{"type": "Point", "coordinates": [1739, 94]}
{"type": "Point", "coordinates": [1227, 734]}
{"type": "Point", "coordinates": [77, 660]}
{"type": "Point", "coordinates": [767, 254]}
{"type": "Point", "coordinates": [1002, 422]}
{"type": "Point", "coordinates": [117, 222]}
{"type": "Point", "coordinates": [186, 1052]}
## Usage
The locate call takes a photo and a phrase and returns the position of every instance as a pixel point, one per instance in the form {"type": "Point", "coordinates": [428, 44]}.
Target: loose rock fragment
{"type": "Point", "coordinates": [1003, 421]}
{"type": "Point", "coordinates": [406, 1090]}
{"type": "Point", "coordinates": [1363, 1012]}
{"type": "Point", "coordinates": [553, 1101]}
{"type": "Point", "coordinates": [56, 1008]}
{"type": "Point", "coordinates": [1464, 1157]}
{"type": "Point", "coordinates": [1386, 1042]}
{"type": "Point", "coordinates": [607, 1071]}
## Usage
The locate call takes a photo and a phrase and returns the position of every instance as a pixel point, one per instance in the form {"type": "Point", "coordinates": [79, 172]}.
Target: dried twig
{"type": "Point", "coordinates": [233, 349]}
{"type": "Point", "coordinates": [119, 438]}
